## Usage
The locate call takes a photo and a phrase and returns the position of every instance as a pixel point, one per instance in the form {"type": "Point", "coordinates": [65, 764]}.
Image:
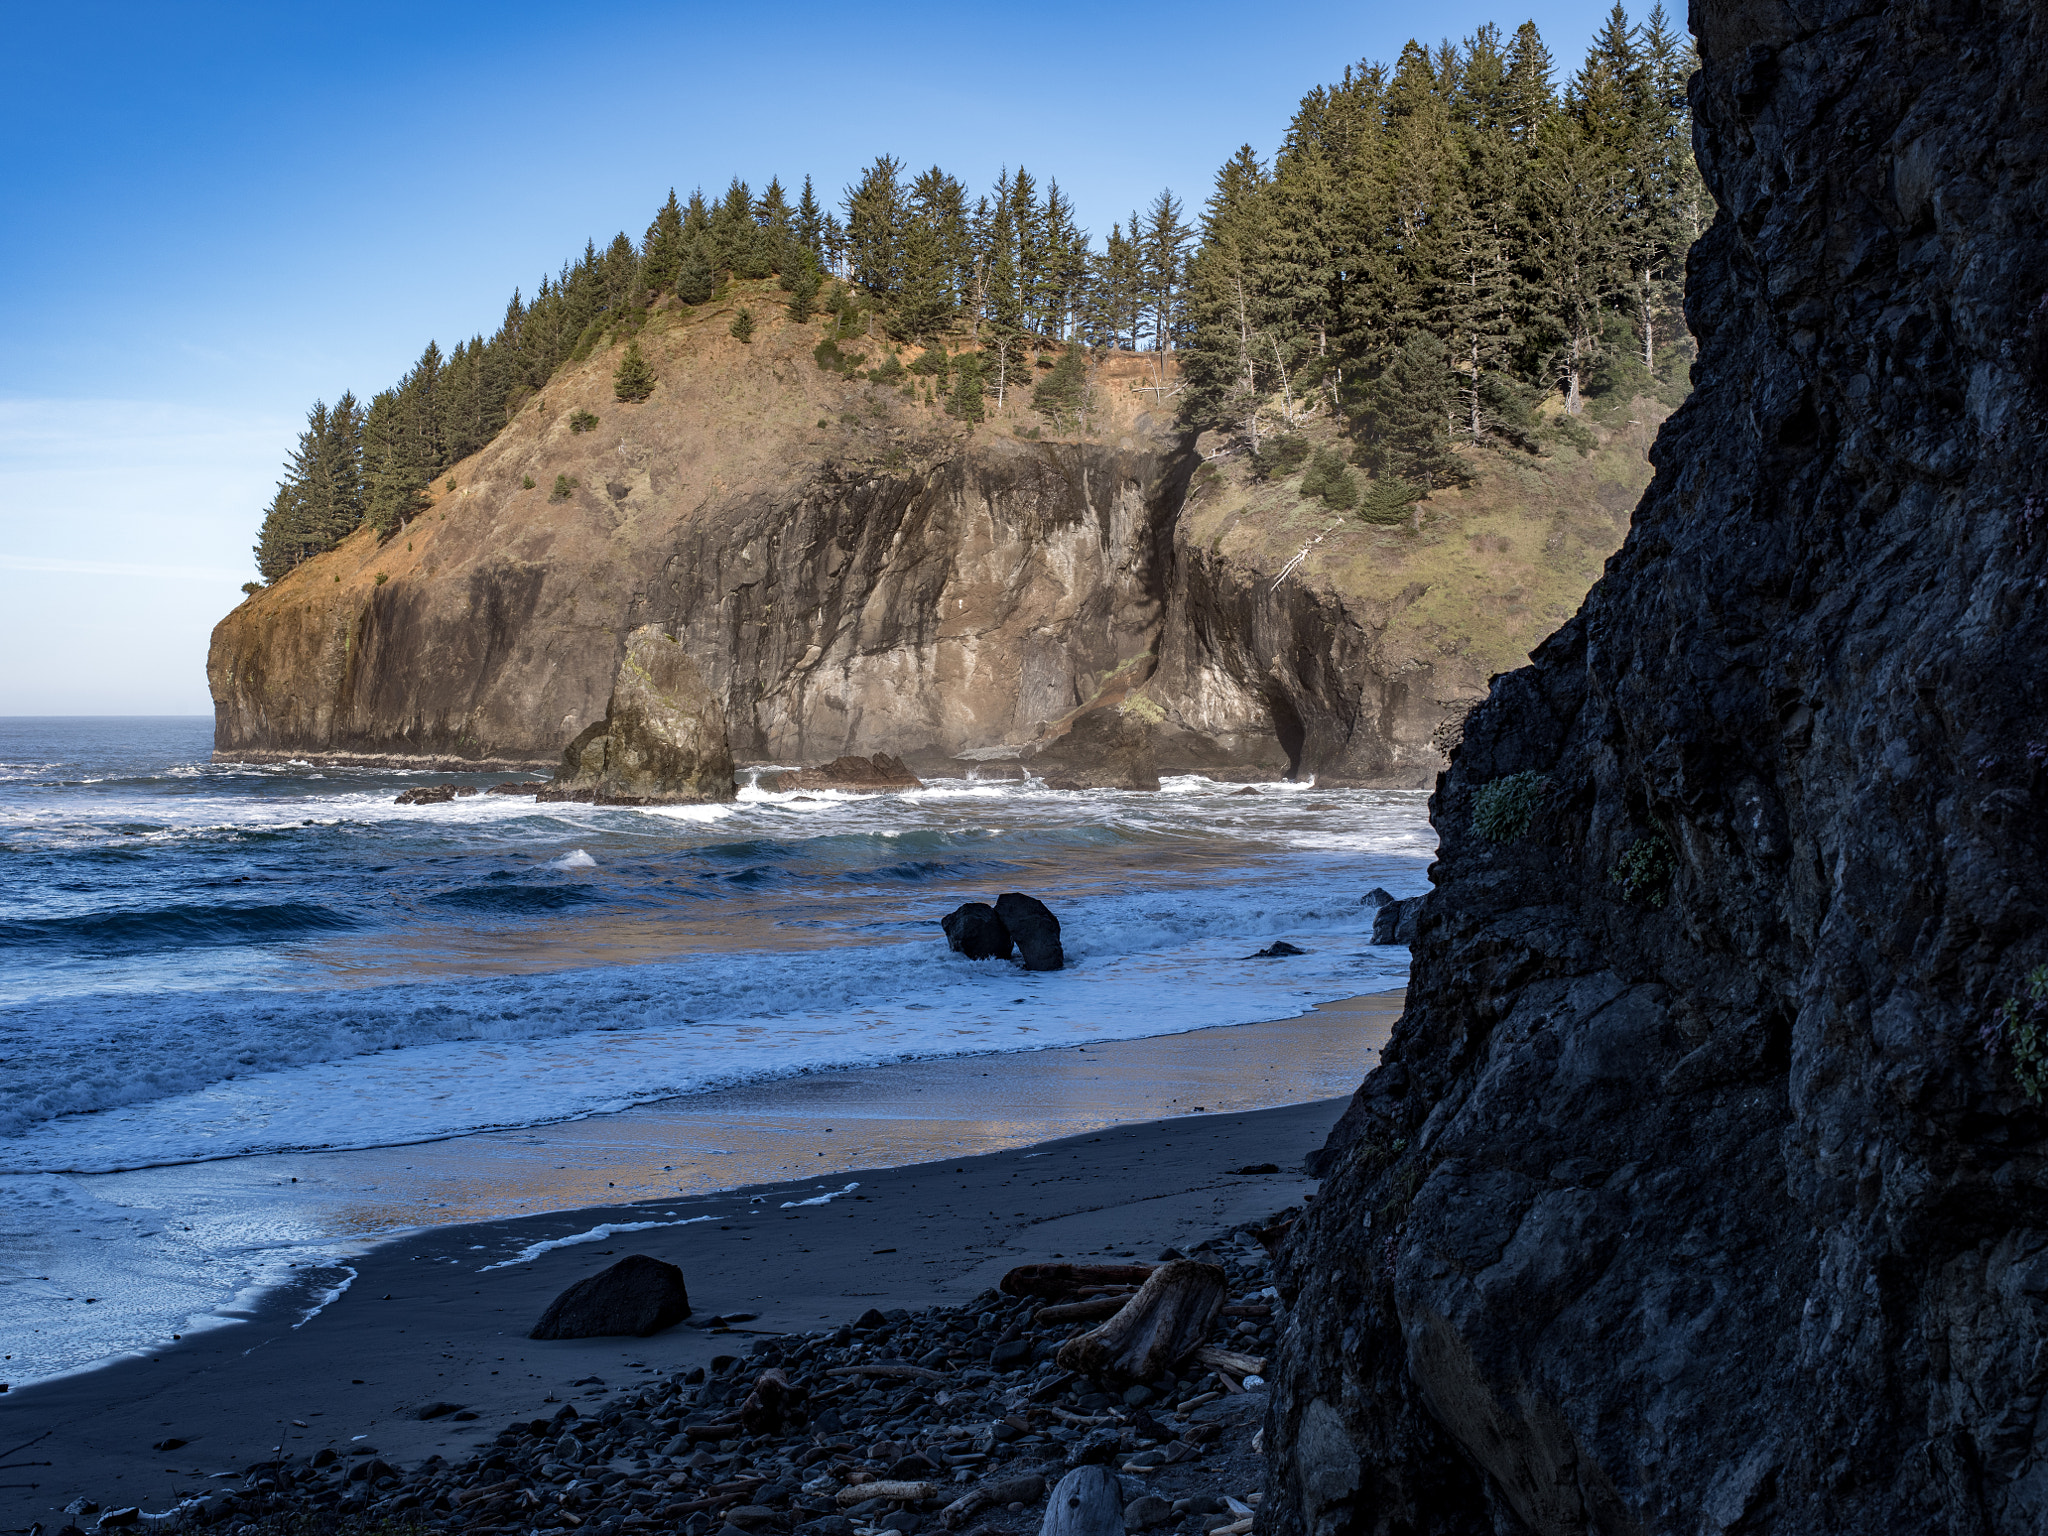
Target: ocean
{"type": "Point", "coordinates": [221, 964]}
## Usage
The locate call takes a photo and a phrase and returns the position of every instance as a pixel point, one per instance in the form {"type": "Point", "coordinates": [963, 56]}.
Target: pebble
{"type": "Point", "coordinates": [998, 1429]}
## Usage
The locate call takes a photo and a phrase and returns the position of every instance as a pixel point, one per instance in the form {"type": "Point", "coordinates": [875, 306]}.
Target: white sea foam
{"type": "Point", "coordinates": [825, 1199]}
{"type": "Point", "coordinates": [596, 1234]}
{"type": "Point", "coordinates": [576, 860]}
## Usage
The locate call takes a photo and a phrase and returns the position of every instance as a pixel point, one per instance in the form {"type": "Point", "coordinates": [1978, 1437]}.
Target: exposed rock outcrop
{"type": "Point", "coordinates": [1695, 1191]}
{"type": "Point", "coordinates": [974, 930]}
{"type": "Point", "coordinates": [662, 739]}
{"type": "Point", "coordinates": [865, 774]}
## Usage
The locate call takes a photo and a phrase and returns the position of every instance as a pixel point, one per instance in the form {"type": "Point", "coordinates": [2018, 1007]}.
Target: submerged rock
{"type": "Point", "coordinates": [433, 794]}
{"type": "Point", "coordinates": [635, 1297]}
{"type": "Point", "coordinates": [975, 931]}
{"type": "Point", "coordinates": [1037, 932]}
{"type": "Point", "coordinates": [662, 739]}
{"type": "Point", "coordinates": [878, 772]}
{"type": "Point", "coordinates": [1279, 949]}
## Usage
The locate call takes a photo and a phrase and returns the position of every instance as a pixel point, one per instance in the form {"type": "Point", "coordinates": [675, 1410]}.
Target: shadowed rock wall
{"type": "Point", "coordinates": [1694, 1193]}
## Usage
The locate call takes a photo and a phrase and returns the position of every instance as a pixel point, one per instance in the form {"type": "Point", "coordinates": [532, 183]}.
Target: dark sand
{"type": "Point", "coordinates": [425, 1320]}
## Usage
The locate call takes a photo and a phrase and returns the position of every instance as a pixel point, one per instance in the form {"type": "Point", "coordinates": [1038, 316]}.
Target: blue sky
{"type": "Point", "coordinates": [215, 214]}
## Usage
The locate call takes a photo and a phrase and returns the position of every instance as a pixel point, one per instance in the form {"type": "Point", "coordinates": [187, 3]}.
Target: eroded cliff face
{"type": "Point", "coordinates": [855, 573]}
{"type": "Point", "coordinates": [1696, 1191]}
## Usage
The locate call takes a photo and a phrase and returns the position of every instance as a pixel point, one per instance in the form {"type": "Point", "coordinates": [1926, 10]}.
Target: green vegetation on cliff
{"type": "Point", "coordinates": [1438, 248]}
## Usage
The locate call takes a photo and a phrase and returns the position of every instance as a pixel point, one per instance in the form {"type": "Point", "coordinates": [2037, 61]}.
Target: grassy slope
{"type": "Point", "coordinates": [1491, 570]}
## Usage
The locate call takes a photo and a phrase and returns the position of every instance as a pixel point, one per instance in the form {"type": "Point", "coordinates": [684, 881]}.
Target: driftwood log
{"type": "Point", "coordinates": [1063, 1282]}
{"type": "Point", "coordinates": [1088, 1501]}
{"type": "Point", "coordinates": [908, 1493]}
{"type": "Point", "coordinates": [1088, 1311]}
{"type": "Point", "coordinates": [1011, 1490]}
{"type": "Point", "coordinates": [1229, 1361]}
{"type": "Point", "coordinates": [769, 1403]}
{"type": "Point", "coordinates": [1166, 1321]}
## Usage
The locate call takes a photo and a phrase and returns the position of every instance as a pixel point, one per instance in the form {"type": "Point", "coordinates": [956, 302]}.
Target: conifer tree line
{"type": "Point", "coordinates": [1439, 245]}
{"type": "Point", "coordinates": [1433, 244]}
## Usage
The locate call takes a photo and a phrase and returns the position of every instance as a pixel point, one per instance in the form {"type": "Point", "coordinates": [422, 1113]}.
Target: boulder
{"type": "Point", "coordinates": [1394, 923]}
{"type": "Point", "coordinates": [636, 1297]}
{"type": "Point", "coordinates": [867, 774]}
{"type": "Point", "coordinates": [1378, 896]}
{"type": "Point", "coordinates": [975, 931]}
{"type": "Point", "coordinates": [433, 794]}
{"type": "Point", "coordinates": [1037, 932]}
{"type": "Point", "coordinates": [532, 787]}
{"type": "Point", "coordinates": [1105, 748]}
{"type": "Point", "coordinates": [1279, 949]}
{"type": "Point", "coordinates": [662, 740]}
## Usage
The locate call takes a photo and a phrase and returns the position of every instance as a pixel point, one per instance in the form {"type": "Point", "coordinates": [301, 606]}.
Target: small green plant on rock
{"type": "Point", "coordinates": [2023, 1023]}
{"type": "Point", "coordinates": [1503, 809]}
{"type": "Point", "coordinates": [1644, 871]}
{"type": "Point", "coordinates": [564, 488]}
{"type": "Point", "coordinates": [582, 421]}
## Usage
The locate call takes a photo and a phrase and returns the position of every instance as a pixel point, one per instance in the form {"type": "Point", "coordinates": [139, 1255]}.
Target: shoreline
{"type": "Point", "coordinates": [440, 1312]}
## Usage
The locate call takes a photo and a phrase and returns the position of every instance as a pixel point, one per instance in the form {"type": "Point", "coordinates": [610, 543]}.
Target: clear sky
{"type": "Point", "coordinates": [216, 213]}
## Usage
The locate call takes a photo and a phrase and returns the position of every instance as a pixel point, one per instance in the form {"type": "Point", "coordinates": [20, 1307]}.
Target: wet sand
{"type": "Point", "coordinates": [965, 1167]}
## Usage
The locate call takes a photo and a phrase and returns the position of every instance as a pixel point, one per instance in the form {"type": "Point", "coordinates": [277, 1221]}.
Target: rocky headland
{"type": "Point", "coordinates": [1702, 1186]}
{"type": "Point", "coordinates": [852, 572]}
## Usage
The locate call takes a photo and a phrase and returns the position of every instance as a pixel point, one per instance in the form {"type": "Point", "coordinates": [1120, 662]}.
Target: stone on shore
{"type": "Point", "coordinates": [975, 931]}
{"type": "Point", "coordinates": [432, 794]}
{"type": "Point", "coordinates": [662, 740]}
{"type": "Point", "coordinates": [1105, 748]}
{"type": "Point", "coordinates": [636, 1297]}
{"type": "Point", "coordinates": [1037, 932]}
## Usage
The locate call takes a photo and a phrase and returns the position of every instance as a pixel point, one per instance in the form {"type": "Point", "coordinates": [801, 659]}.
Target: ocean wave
{"type": "Point", "coordinates": [175, 927]}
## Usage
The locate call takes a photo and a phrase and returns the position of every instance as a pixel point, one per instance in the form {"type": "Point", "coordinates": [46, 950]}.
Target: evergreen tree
{"type": "Point", "coordinates": [874, 219]}
{"type": "Point", "coordinates": [696, 282]}
{"type": "Point", "coordinates": [808, 225]}
{"type": "Point", "coordinates": [661, 257]}
{"type": "Point", "coordinates": [1062, 394]}
{"type": "Point", "coordinates": [1405, 414]}
{"type": "Point", "coordinates": [634, 380]}
{"type": "Point", "coordinates": [804, 283]}
{"type": "Point", "coordinates": [965, 403]}
{"type": "Point", "coordinates": [1163, 253]}
{"type": "Point", "coordinates": [742, 326]}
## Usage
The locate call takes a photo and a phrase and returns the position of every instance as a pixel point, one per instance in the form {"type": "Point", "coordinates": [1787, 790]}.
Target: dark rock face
{"type": "Point", "coordinates": [662, 739]}
{"type": "Point", "coordinates": [975, 931]}
{"type": "Point", "coordinates": [636, 1297]}
{"type": "Point", "coordinates": [878, 772]}
{"type": "Point", "coordinates": [1394, 922]}
{"type": "Point", "coordinates": [1037, 932]}
{"type": "Point", "coordinates": [1693, 1192]}
{"type": "Point", "coordinates": [431, 794]}
{"type": "Point", "coordinates": [1106, 748]}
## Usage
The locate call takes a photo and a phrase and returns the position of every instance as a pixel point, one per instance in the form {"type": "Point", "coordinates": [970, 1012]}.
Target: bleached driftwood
{"type": "Point", "coordinates": [1011, 1490]}
{"type": "Point", "coordinates": [907, 1493]}
{"type": "Point", "coordinates": [1088, 1501]}
{"type": "Point", "coordinates": [1161, 1325]}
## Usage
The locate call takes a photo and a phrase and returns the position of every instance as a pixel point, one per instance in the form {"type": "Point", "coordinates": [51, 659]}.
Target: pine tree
{"type": "Point", "coordinates": [696, 282]}
{"type": "Point", "coordinates": [874, 219]}
{"type": "Point", "coordinates": [634, 380]}
{"type": "Point", "coordinates": [661, 254]}
{"type": "Point", "coordinates": [1062, 394]}
{"type": "Point", "coordinates": [804, 283]}
{"type": "Point", "coordinates": [1164, 255]}
{"type": "Point", "coordinates": [966, 402]}
{"type": "Point", "coordinates": [742, 327]}
{"type": "Point", "coordinates": [808, 225]}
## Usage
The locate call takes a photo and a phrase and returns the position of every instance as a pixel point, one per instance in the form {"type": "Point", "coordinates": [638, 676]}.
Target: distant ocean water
{"type": "Point", "coordinates": [208, 960]}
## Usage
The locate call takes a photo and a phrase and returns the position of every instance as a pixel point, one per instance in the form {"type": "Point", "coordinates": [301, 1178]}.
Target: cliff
{"type": "Point", "coordinates": [854, 572]}
{"type": "Point", "coordinates": [1698, 1189]}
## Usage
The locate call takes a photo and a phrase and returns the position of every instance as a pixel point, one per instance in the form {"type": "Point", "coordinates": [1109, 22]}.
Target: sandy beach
{"type": "Point", "coordinates": [964, 1169]}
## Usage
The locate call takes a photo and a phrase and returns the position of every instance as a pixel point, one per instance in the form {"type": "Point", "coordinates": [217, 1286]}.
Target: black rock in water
{"type": "Point", "coordinates": [1037, 932]}
{"type": "Point", "coordinates": [635, 1297]}
{"type": "Point", "coordinates": [1279, 949]}
{"type": "Point", "coordinates": [1378, 896]}
{"type": "Point", "coordinates": [976, 932]}
{"type": "Point", "coordinates": [1395, 922]}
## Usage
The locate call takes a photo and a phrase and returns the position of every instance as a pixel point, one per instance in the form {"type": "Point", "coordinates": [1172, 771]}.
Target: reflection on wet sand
{"type": "Point", "coordinates": [825, 1123]}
